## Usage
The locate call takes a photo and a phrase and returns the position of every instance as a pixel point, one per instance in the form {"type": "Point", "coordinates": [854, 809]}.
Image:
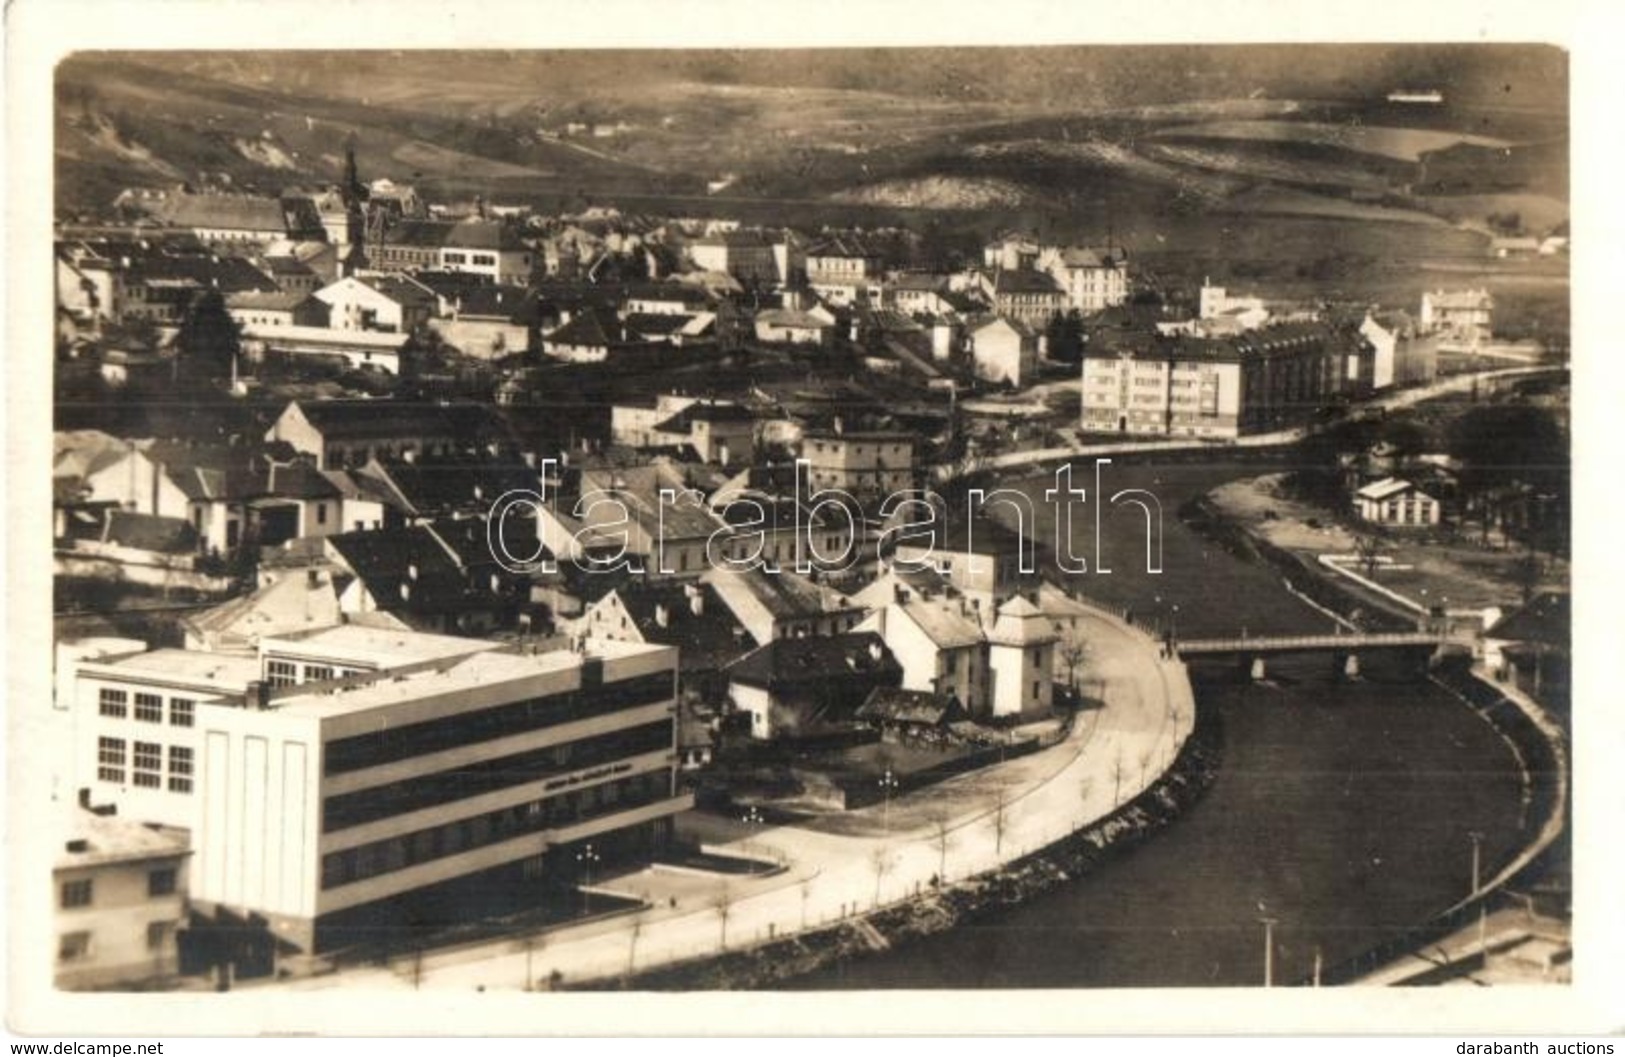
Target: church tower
{"type": "Point", "coordinates": [354, 193]}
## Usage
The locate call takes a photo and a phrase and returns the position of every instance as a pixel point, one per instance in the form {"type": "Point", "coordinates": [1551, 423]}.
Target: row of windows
{"type": "Point", "coordinates": [149, 708]}
{"type": "Point", "coordinates": [148, 760]}
{"type": "Point", "coordinates": [452, 838]}
{"type": "Point", "coordinates": [287, 673]}
{"type": "Point", "coordinates": [75, 946]}
{"type": "Point", "coordinates": [471, 728]}
{"type": "Point", "coordinates": [488, 776]}
{"type": "Point", "coordinates": [75, 895]}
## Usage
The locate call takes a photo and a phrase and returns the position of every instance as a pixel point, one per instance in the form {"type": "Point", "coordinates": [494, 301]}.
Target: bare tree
{"type": "Point", "coordinates": [723, 902]}
{"type": "Point", "coordinates": [1001, 821]}
{"type": "Point", "coordinates": [942, 834]}
{"type": "Point", "coordinates": [1145, 765]}
{"type": "Point", "coordinates": [1368, 549]}
{"type": "Point", "coordinates": [1117, 779]}
{"type": "Point", "coordinates": [882, 860]}
{"type": "Point", "coordinates": [1085, 787]}
{"type": "Point", "coordinates": [632, 946]}
{"type": "Point", "coordinates": [1074, 652]}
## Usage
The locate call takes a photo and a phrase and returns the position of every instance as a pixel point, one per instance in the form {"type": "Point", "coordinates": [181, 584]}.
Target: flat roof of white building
{"type": "Point", "coordinates": [373, 646]}
{"type": "Point", "coordinates": [470, 673]}
{"type": "Point", "coordinates": [223, 673]}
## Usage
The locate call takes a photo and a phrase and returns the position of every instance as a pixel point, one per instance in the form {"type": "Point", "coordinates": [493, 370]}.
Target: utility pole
{"type": "Point", "coordinates": [1478, 841]}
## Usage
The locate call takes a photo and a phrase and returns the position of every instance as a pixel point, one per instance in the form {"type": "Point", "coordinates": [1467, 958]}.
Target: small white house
{"type": "Point", "coordinates": [1397, 502]}
{"type": "Point", "coordinates": [1005, 350]}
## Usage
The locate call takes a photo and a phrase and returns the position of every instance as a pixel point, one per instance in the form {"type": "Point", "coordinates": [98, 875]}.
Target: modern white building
{"type": "Point", "coordinates": [335, 780]}
{"type": "Point", "coordinates": [1396, 502]}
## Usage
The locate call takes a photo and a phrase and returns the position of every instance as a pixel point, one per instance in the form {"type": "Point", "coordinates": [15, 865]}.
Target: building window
{"type": "Point", "coordinates": [180, 769]}
{"type": "Point", "coordinates": [316, 673]}
{"type": "Point", "coordinates": [281, 673]}
{"type": "Point", "coordinates": [321, 513]}
{"type": "Point", "coordinates": [113, 703]}
{"type": "Point", "coordinates": [161, 883]}
{"type": "Point", "coordinates": [158, 933]}
{"type": "Point", "coordinates": [149, 761]}
{"type": "Point", "coordinates": [149, 708]}
{"type": "Point", "coordinates": [77, 894]}
{"type": "Point", "coordinates": [74, 946]}
{"type": "Point", "coordinates": [110, 759]}
{"type": "Point", "coordinates": [181, 711]}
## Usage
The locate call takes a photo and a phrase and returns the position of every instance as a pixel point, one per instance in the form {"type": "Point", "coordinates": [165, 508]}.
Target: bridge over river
{"type": "Point", "coordinates": [1251, 650]}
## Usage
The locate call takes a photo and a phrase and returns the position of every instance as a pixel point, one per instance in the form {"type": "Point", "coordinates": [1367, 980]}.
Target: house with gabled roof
{"type": "Point", "coordinates": [808, 686]}
{"type": "Point", "coordinates": [1397, 503]}
{"type": "Point", "coordinates": [782, 605]}
{"type": "Point", "coordinates": [689, 616]}
{"type": "Point", "coordinates": [439, 576]}
{"type": "Point", "coordinates": [346, 433]}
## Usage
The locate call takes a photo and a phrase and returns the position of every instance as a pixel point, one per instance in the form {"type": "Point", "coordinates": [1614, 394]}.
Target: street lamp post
{"type": "Point", "coordinates": [1478, 840]}
{"type": "Point", "coordinates": [1269, 950]}
{"type": "Point", "coordinates": [587, 856]}
{"type": "Point", "coordinates": [888, 782]}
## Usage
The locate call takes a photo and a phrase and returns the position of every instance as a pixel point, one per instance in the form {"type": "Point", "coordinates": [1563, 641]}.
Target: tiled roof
{"type": "Point", "coordinates": [447, 483]}
{"type": "Point", "coordinates": [361, 418]}
{"type": "Point", "coordinates": [893, 704]}
{"type": "Point", "coordinates": [787, 662]}
{"type": "Point", "coordinates": [233, 212]}
{"type": "Point", "coordinates": [1544, 620]}
{"type": "Point", "coordinates": [706, 641]}
{"type": "Point", "coordinates": [1022, 281]}
{"type": "Point", "coordinates": [148, 532]}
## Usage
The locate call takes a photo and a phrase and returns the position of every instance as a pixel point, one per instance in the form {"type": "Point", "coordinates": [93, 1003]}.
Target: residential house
{"type": "Point", "coordinates": [1396, 503]}
{"type": "Point", "coordinates": [120, 897]}
{"type": "Point", "coordinates": [1532, 648]}
{"type": "Point", "coordinates": [251, 308]}
{"type": "Point", "coordinates": [688, 617]}
{"type": "Point", "coordinates": [1005, 352]}
{"type": "Point", "coordinates": [1010, 253]}
{"type": "Point", "coordinates": [1093, 279]}
{"type": "Point", "coordinates": [803, 687]}
{"type": "Point", "coordinates": [457, 484]}
{"type": "Point", "coordinates": [748, 256]}
{"type": "Point", "coordinates": [442, 576]}
{"type": "Point", "coordinates": [664, 523]}
{"type": "Point", "coordinates": [865, 463]}
{"type": "Point", "coordinates": [346, 433]}
{"type": "Point", "coordinates": [482, 247]}
{"type": "Point", "coordinates": [594, 335]}
{"type": "Point", "coordinates": [395, 304]}
{"type": "Point", "coordinates": [235, 218]}
{"type": "Point", "coordinates": [783, 604]}
{"type": "Point", "coordinates": [1137, 381]}
{"type": "Point", "coordinates": [795, 326]}
{"type": "Point", "coordinates": [1401, 353]}
{"type": "Point", "coordinates": [912, 716]}
{"type": "Point", "coordinates": [1461, 318]}
{"type": "Point", "coordinates": [1033, 297]}
{"type": "Point", "coordinates": [293, 600]}
{"type": "Point", "coordinates": [1020, 660]}
{"type": "Point", "coordinates": [938, 641]}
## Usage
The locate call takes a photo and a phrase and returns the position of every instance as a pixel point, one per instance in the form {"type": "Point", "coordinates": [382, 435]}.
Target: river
{"type": "Point", "coordinates": [1342, 809]}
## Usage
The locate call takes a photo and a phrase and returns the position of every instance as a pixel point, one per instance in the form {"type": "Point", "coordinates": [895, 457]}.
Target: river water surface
{"type": "Point", "coordinates": [1342, 809]}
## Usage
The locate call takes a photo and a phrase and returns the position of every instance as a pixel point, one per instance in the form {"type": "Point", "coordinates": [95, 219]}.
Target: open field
{"type": "Point", "coordinates": [1402, 144]}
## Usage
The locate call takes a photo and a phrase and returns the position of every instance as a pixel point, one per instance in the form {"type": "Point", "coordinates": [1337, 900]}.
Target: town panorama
{"type": "Point", "coordinates": [775, 520]}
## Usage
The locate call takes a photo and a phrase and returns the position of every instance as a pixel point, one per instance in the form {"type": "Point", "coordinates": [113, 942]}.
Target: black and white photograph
{"type": "Point", "coordinates": [885, 518]}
